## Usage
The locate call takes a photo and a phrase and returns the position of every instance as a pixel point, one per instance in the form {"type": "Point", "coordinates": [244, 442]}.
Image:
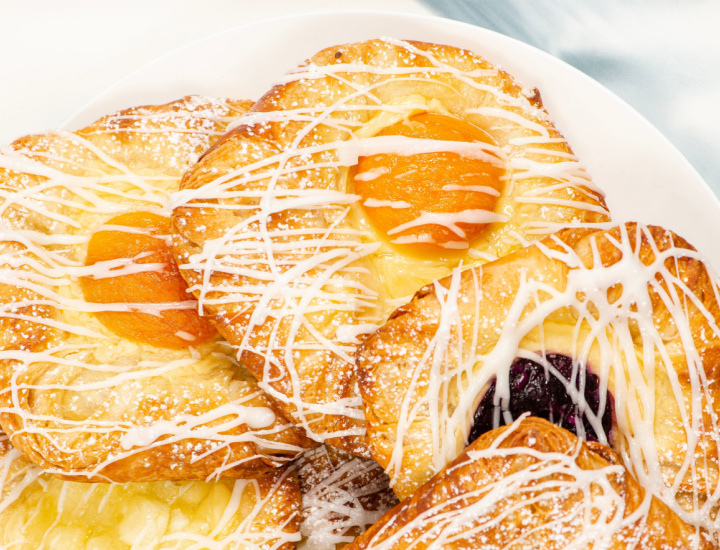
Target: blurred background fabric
{"type": "Point", "coordinates": [661, 56]}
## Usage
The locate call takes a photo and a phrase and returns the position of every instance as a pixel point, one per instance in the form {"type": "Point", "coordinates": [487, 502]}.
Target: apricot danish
{"type": "Point", "coordinates": [532, 485]}
{"type": "Point", "coordinates": [612, 333]}
{"type": "Point", "coordinates": [374, 168]}
{"type": "Point", "coordinates": [107, 372]}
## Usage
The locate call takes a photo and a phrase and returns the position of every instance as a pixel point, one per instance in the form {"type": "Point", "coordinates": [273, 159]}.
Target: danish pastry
{"type": "Point", "coordinates": [107, 372]}
{"type": "Point", "coordinates": [532, 485]}
{"type": "Point", "coordinates": [374, 168]}
{"type": "Point", "coordinates": [342, 495]}
{"type": "Point", "coordinates": [612, 333]}
{"type": "Point", "coordinates": [41, 512]}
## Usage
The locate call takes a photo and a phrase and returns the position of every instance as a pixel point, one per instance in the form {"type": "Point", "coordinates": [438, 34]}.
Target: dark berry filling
{"type": "Point", "coordinates": [542, 394]}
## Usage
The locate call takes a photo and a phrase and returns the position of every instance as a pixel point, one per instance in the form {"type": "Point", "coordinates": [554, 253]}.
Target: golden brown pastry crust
{"type": "Point", "coordinates": [342, 495]}
{"type": "Point", "coordinates": [531, 485]}
{"type": "Point", "coordinates": [633, 304]}
{"type": "Point", "coordinates": [77, 399]}
{"type": "Point", "coordinates": [38, 511]}
{"type": "Point", "coordinates": [276, 248]}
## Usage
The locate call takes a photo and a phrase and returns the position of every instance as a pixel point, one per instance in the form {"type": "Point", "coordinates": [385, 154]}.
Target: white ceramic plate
{"type": "Point", "coordinates": [646, 179]}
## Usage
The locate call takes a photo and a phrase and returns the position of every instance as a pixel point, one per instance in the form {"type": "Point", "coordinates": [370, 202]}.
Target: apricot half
{"type": "Point", "coordinates": [119, 254]}
{"type": "Point", "coordinates": [431, 200]}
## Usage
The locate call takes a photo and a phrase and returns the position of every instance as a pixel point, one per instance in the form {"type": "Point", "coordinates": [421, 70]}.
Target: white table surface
{"type": "Point", "coordinates": [55, 56]}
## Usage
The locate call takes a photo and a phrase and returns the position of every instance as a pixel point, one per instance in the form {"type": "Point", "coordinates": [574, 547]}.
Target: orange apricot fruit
{"type": "Point", "coordinates": [124, 251]}
{"type": "Point", "coordinates": [403, 195]}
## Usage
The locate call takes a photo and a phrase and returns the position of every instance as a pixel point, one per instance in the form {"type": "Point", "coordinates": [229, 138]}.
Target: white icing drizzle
{"type": "Point", "coordinates": [504, 114]}
{"type": "Point", "coordinates": [350, 333]}
{"type": "Point", "coordinates": [455, 245]}
{"type": "Point", "coordinates": [485, 189]}
{"type": "Point", "coordinates": [376, 203]}
{"type": "Point", "coordinates": [148, 232]}
{"type": "Point", "coordinates": [342, 495]}
{"type": "Point", "coordinates": [412, 239]}
{"type": "Point", "coordinates": [189, 426]}
{"type": "Point", "coordinates": [247, 514]}
{"type": "Point", "coordinates": [450, 220]}
{"type": "Point", "coordinates": [115, 395]}
{"type": "Point", "coordinates": [295, 254]}
{"type": "Point", "coordinates": [481, 255]}
{"type": "Point", "coordinates": [349, 151]}
{"type": "Point", "coordinates": [373, 174]}
{"type": "Point", "coordinates": [617, 338]}
{"type": "Point", "coordinates": [117, 268]}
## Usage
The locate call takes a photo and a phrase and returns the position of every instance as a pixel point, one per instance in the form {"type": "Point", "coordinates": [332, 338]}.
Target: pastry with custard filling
{"type": "Point", "coordinates": [107, 371]}
{"type": "Point", "coordinates": [372, 169]}
{"type": "Point", "coordinates": [611, 333]}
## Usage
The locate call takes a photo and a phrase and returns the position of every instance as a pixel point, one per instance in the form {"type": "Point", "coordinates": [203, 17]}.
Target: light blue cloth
{"type": "Point", "coordinates": [661, 56]}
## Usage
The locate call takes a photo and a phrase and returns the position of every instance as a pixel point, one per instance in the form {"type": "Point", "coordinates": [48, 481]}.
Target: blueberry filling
{"type": "Point", "coordinates": [539, 392]}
